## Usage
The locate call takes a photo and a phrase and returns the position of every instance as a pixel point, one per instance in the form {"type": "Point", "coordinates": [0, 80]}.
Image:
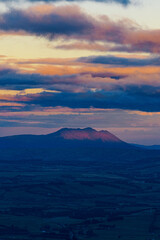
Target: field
{"type": "Point", "coordinates": [42, 200]}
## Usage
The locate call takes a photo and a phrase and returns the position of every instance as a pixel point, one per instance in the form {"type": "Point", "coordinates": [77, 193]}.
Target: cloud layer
{"type": "Point", "coordinates": [124, 2]}
{"type": "Point", "coordinates": [70, 22]}
{"type": "Point", "coordinates": [137, 92]}
{"type": "Point", "coordinates": [87, 69]}
{"type": "Point", "coordinates": [113, 60]}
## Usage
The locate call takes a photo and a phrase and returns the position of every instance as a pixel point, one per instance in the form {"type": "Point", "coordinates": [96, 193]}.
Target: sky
{"type": "Point", "coordinates": [78, 63]}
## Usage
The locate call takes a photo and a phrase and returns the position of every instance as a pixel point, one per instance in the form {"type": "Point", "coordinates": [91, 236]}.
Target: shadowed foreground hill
{"type": "Point", "coordinates": [78, 184]}
{"type": "Point", "coordinates": [72, 146]}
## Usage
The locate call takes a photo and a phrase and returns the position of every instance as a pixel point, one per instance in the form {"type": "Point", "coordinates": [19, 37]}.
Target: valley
{"type": "Point", "coordinates": [47, 201]}
{"type": "Point", "coordinates": [82, 190]}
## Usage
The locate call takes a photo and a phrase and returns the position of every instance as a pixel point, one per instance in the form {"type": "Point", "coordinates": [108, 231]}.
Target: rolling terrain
{"type": "Point", "coordinates": [78, 184]}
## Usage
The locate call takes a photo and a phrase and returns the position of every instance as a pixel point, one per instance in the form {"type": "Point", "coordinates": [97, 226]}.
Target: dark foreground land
{"type": "Point", "coordinates": [42, 200]}
{"type": "Point", "coordinates": [78, 185]}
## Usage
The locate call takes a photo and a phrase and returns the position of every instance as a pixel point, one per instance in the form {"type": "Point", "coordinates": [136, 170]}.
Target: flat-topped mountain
{"type": "Point", "coordinates": [63, 136]}
{"type": "Point", "coordinates": [71, 145]}
{"type": "Point", "coordinates": [86, 134]}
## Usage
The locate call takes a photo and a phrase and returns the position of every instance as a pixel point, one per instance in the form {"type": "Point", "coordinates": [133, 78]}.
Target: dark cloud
{"type": "Point", "coordinates": [124, 2]}
{"type": "Point", "coordinates": [48, 25]}
{"type": "Point", "coordinates": [142, 98]}
{"type": "Point", "coordinates": [83, 91]}
{"type": "Point", "coordinates": [71, 22]}
{"type": "Point", "coordinates": [112, 60]}
{"type": "Point", "coordinates": [63, 21]}
{"type": "Point", "coordinates": [13, 80]}
{"type": "Point", "coordinates": [115, 76]}
{"type": "Point", "coordinates": [10, 79]}
{"type": "Point", "coordinates": [151, 46]}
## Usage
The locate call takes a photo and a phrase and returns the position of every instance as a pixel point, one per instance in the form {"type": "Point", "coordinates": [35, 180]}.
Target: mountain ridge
{"type": "Point", "coordinates": [82, 146]}
{"type": "Point", "coordinates": [74, 134]}
{"type": "Point", "coordinates": [85, 134]}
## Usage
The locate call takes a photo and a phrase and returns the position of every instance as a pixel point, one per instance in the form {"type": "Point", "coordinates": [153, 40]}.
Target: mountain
{"type": "Point", "coordinates": [86, 134]}
{"type": "Point", "coordinates": [65, 136]}
{"type": "Point", "coordinates": [72, 146]}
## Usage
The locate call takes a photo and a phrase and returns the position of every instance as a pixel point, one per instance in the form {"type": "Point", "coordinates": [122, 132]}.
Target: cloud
{"type": "Point", "coordinates": [80, 82]}
{"type": "Point", "coordinates": [125, 97]}
{"type": "Point", "coordinates": [136, 91]}
{"type": "Point", "coordinates": [13, 80]}
{"type": "Point", "coordinates": [65, 22]}
{"type": "Point", "coordinates": [85, 46]}
{"type": "Point", "coordinates": [70, 22]}
{"type": "Point", "coordinates": [124, 2]}
{"type": "Point", "coordinates": [48, 21]}
{"type": "Point", "coordinates": [132, 98]}
{"type": "Point", "coordinates": [112, 60]}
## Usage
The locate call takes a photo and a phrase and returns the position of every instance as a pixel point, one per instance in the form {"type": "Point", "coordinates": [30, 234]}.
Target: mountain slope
{"type": "Point", "coordinates": [72, 146]}
{"type": "Point", "coordinates": [65, 136]}
{"type": "Point", "coordinates": [86, 134]}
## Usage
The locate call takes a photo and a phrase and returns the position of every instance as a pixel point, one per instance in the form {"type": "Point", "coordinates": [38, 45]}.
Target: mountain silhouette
{"type": "Point", "coordinates": [64, 136]}
{"type": "Point", "coordinates": [70, 146]}
{"type": "Point", "coordinates": [85, 134]}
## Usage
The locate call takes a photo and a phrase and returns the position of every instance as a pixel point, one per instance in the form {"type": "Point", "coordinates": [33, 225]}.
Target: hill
{"type": "Point", "coordinates": [72, 146]}
{"type": "Point", "coordinates": [78, 184]}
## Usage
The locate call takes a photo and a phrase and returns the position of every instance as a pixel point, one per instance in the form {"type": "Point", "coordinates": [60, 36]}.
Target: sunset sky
{"type": "Point", "coordinates": [81, 64]}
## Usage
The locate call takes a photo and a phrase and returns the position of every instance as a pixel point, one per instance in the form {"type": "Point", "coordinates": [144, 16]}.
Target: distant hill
{"type": "Point", "coordinates": [66, 136]}
{"type": "Point", "coordinates": [72, 146]}
{"type": "Point", "coordinates": [86, 134]}
{"type": "Point", "coordinates": [151, 147]}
